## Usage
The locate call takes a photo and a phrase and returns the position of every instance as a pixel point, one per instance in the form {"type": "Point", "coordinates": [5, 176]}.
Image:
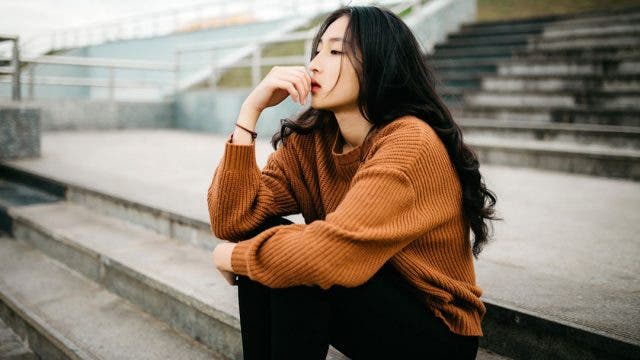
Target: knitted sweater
{"type": "Point", "coordinates": [396, 198]}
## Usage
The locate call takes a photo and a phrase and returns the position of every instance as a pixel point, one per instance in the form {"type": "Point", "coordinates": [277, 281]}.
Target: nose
{"type": "Point", "coordinates": [312, 67]}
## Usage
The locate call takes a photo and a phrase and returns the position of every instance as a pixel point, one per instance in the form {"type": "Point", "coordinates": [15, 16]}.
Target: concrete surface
{"type": "Point", "coordinates": [567, 248]}
{"type": "Point", "coordinates": [79, 316]}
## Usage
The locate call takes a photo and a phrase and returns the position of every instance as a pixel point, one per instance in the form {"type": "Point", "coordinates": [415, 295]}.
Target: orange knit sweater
{"type": "Point", "coordinates": [394, 198]}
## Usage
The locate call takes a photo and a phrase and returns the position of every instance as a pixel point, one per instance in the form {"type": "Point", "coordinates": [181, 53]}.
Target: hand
{"type": "Point", "coordinates": [229, 276]}
{"type": "Point", "coordinates": [222, 260]}
{"type": "Point", "coordinates": [279, 83]}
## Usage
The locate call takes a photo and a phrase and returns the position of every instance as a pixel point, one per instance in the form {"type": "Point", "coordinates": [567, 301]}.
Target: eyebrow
{"type": "Point", "coordinates": [332, 39]}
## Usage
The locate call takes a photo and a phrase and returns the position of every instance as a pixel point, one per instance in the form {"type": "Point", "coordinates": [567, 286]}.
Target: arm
{"type": "Point", "coordinates": [241, 196]}
{"type": "Point", "coordinates": [384, 211]}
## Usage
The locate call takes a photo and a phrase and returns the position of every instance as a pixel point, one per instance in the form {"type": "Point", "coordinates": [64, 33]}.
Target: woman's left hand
{"type": "Point", "coordinates": [222, 259]}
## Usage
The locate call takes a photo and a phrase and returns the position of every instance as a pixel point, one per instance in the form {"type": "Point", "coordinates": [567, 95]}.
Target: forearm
{"type": "Point", "coordinates": [248, 118]}
{"type": "Point", "coordinates": [222, 255]}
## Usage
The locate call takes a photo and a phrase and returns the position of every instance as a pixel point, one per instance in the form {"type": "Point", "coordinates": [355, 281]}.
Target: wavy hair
{"type": "Point", "coordinates": [396, 80]}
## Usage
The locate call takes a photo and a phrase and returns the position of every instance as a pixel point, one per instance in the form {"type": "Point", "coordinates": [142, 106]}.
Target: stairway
{"type": "Point", "coordinates": [78, 283]}
{"type": "Point", "coordinates": [85, 275]}
{"type": "Point", "coordinates": [566, 100]}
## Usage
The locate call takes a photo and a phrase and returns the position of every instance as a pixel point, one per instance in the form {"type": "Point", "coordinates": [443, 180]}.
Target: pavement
{"type": "Point", "coordinates": [567, 249]}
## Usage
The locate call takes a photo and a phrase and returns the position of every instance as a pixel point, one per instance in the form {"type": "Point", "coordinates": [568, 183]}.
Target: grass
{"type": "Point", "coordinates": [489, 10]}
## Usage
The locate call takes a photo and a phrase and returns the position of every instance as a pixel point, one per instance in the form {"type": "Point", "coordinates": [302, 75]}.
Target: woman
{"type": "Point", "coordinates": [383, 267]}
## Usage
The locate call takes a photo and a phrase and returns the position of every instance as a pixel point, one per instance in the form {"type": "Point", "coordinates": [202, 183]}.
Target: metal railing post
{"type": "Point", "coordinates": [307, 48]}
{"type": "Point", "coordinates": [111, 84]}
{"type": "Point", "coordinates": [256, 65]}
{"type": "Point", "coordinates": [15, 63]}
{"type": "Point", "coordinates": [176, 74]}
{"type": "Point", "coordinates": [32, 75]}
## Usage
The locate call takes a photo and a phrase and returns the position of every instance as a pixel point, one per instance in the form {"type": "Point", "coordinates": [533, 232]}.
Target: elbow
{"type": "Point", "coordinates": [343, 279]}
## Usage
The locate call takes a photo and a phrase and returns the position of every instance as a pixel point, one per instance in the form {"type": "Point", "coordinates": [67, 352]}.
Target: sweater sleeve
{"type": "Point", "coordinates": [379, 215]}
{"type": "Point", "coordinates": [241, 196]}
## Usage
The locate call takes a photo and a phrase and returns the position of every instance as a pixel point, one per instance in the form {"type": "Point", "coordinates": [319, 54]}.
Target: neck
{"type": "Point", "coordinates": [353, 127]}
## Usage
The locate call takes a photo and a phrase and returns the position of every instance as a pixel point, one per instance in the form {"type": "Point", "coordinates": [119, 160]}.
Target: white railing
{"type": "Point", "coordinates": [110, 82]}
{"type": "Point", "coordinates": [182, 19]}
{"type": "Point", "coordinates": [256, 60]}
{"type": "Point", "coordinates": [14, 68]}
{"type": "Point", "coordinates": [432, 12]}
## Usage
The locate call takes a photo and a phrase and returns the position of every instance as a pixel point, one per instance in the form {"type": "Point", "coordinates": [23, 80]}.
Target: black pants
{"type": "Point", "coordinates": [381, 319]}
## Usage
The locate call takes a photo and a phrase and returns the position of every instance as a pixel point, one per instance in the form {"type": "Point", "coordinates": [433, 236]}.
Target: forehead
{"type": "Point", "coordinates": [335, 31]}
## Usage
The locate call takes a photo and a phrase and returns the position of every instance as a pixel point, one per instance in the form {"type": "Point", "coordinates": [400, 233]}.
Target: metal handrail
{"type": "Point", "coordinates": [163, 22]}
{"type": "Point", "coordinates": [14, 69]}
{"type": "Point", "coordinates": [256, 60]}
{"type": "Point", "coordinates": [109, 82]}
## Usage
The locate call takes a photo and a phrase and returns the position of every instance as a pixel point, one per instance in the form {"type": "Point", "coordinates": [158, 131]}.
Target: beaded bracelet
{"type": "Point", "coordinates": [253, 133]}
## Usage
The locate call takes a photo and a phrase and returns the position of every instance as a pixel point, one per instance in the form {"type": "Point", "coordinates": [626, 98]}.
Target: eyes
{"type": "Point", "coordinates": [332, 52]}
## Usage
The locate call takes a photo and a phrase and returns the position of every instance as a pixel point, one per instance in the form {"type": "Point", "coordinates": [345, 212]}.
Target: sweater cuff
{"type": "Point", "coordinates": [239, 156]}
{"type": "Point", "coordinates": [239, 257]}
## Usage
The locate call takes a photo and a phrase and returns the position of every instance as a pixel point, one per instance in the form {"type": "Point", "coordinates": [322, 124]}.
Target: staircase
{"type": "Point", "coordinates": [566, 99]}
{"type": "Point", "coordinates": [87, 275]}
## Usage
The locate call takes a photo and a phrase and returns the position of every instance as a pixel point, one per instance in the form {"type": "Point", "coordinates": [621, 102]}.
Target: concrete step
{"type": "Point", "coordinates": [603, 52]}
{"type": "Point", "coordinates": [593, 159]}
{"type": "Point", "coordinates": [577, 66]}
{"type": "Point", "coordinates": [573, 115]}
{"type": "Point", "coordinates": [522, 26]}
{"type": "Point", "coordinates": [596, 19]}
{"type": "Point", "coordinates": [441, 64]}
{"type": "Point", "coordinates": [168, 282]}
{"type": "Point", "coordinates": [631, 39]}
{"type": "Point", "coordinates": [471, 32]}
{"type": "Point", "coordinates": [493, 42]}
{"type": "Point", "coordinates": [11, 346]}
{"type": "Point", "coordinates": [462, 41]}
{"type": "Point", "coordinates": [562, 98]}
{"type": "Point", "coordinates": [583, 134]}
{"type": "Point", "coordinates": [491, 51]}
{"type": "Point", "coordinates": [161, 275]}
{"type": "Point", "coordinates": [609, 28]}
{"type": "Point", "coordinates": [64, 315]}
{"type": "Point", "coordinates": [538, 83]}
{"type": "Point", "coordinates": [468, 82]}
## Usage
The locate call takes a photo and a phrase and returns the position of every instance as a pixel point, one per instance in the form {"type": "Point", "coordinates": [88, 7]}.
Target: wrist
{"type": "Point", "coordinates": [249, 113]}
{"type": "Point", "coordinates": [222, 255]}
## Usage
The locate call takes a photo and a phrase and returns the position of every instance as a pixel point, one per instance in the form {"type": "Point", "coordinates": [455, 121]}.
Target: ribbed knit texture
{"type": "Point", "coordinates": [402, 203]}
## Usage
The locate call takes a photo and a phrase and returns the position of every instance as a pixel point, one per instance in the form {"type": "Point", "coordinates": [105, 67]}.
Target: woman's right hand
{"type": "Point", "coordinates": [280, 82]}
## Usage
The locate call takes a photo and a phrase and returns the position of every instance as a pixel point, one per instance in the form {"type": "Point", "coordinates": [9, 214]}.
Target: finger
{"type": "Point", "coordinates": [307, 80]}
{"type": "Point", "coordinates": [306, 77]}
{"type": "Point", "coordinates": [298, 80]}
{"type": "Point", "coordinates": [289, 85]}
{"type": "Point", "coordinates": [295, 75]}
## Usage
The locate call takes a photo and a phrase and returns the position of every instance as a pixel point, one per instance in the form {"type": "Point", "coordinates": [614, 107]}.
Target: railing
{"type": "Point", "coordinates": [185, 18]}
{"type": "Point", "coordinates": [110, 82]}
{"type": "Point", "coordinates": [256, 60]}
{"type": "Point", "coordinates": [14, 68]}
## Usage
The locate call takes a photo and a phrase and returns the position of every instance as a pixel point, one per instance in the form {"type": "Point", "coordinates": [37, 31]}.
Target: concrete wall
{"type": "Point", "coordinates": [19, 131]}
{"type": "Point", "coordinates": [209, 111]}
{"type": "Point", "coordinates": [69, 114]}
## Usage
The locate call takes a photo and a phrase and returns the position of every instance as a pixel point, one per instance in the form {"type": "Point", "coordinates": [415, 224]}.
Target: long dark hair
{"type": "Point", "coordinates": [395, 80]}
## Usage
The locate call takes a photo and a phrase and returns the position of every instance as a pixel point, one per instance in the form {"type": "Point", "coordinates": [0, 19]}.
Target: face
{"type": "Point", "coordinates": [334, 93]}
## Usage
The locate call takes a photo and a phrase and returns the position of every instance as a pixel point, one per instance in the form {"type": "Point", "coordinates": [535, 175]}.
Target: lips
{"type": "Point", "coordinates": [314, 83]}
